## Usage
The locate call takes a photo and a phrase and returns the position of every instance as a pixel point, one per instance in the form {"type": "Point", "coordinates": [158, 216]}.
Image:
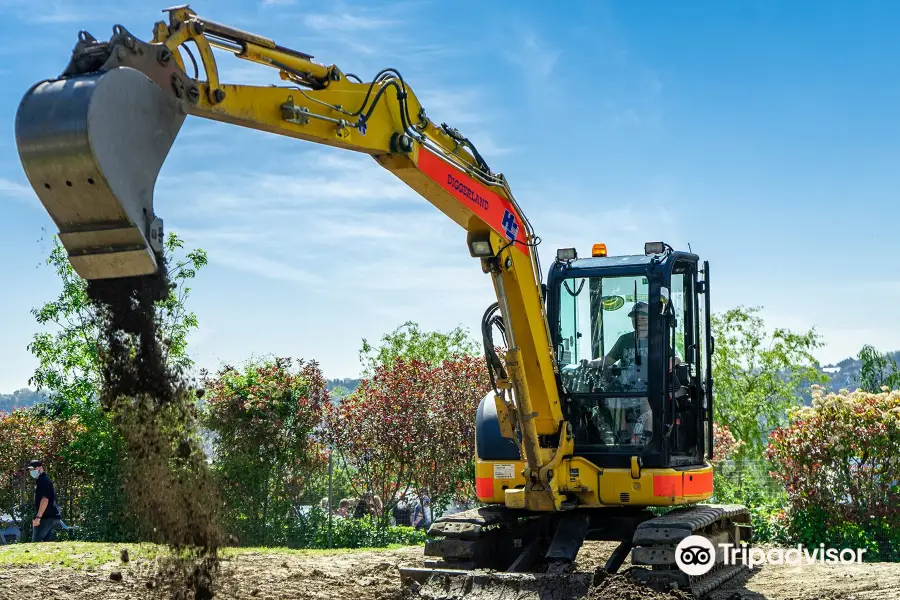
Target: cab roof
{"type": "Point", "coordinates": [627, 260]}
{"type": "Point", "coordinates": [616, 265]}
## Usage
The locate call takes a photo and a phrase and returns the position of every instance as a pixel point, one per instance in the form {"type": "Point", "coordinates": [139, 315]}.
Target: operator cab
{"type": "Point", "coordinates": [631, 354]}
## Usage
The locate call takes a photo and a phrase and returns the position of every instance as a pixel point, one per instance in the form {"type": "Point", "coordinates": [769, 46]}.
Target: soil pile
{"type": "Point", "coordinates": [168, 485]}
{"type": "Point", "coordinates": [621, 587]}
{"type": "Point", "coordinates": [500, 586]}
{"type": "Point", "coordinates": [505, 586]}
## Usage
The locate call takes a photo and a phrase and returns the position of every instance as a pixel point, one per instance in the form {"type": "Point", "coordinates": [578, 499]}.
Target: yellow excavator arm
{"type": "Point", "coordinates": [92, 143]}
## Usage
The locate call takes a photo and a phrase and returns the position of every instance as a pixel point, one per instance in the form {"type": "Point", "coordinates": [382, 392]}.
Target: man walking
{"type": "Point", "coordinates": [46, 512]}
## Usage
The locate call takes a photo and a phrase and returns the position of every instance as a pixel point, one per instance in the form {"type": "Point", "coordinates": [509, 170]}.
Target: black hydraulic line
{"type": "Point", "coordinates": [193, 60]}
{"type": "Point", "coordinates": [494, 364]}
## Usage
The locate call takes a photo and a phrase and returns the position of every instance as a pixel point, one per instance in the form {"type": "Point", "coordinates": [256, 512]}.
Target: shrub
{"type": "Point", "coordinates": [26, 434]}
{"type": "Point", "coordinates": [264, 418]}
{"type": "Point", "coordinates": [841, 457]}
{"type": "Point", "coordinates": [412, 426]}
{"type": "Point", "coordinates": [311, 531]}
{"type": "Point", "coordinates": [839, 460]}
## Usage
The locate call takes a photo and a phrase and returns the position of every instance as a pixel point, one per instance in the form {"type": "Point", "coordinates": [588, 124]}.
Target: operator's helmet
{"type": "Point", "coordinates": [641, 308]}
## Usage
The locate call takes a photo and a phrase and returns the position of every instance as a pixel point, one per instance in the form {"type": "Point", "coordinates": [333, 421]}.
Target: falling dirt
{"type": "Point", "coordinates": [168, 485]}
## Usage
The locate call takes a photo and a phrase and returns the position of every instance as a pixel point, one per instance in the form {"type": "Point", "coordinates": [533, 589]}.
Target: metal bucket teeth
{"type": "Point", "coordinates": [92, 147]}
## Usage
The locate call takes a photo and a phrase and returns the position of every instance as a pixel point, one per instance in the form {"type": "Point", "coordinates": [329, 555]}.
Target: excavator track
{"type": "Point", "coordinates": [492, 545]}
{"type": "Point", "coordinates": [489, 553]}
{"type": "Point", "coordinates": [655, 542]}
{"type": "Point", "coordinates": [492, 537]}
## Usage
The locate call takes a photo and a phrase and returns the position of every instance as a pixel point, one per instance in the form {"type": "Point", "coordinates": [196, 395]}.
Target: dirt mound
{"type": "Point", "coordinates": [509, 586]}
{"type": "Point", "coordinates": [506, 586]}
{"type": "Point", "coordinates": [168, 485]}
{"type": "Point", "coordinates": [621, 587]}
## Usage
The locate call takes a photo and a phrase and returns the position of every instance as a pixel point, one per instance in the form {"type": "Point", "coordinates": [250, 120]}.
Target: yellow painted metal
{"type": "Point", "coordinates": [505, 418]}
{"type": "Point", "coordinates": [515, 498]}
{"type": "Point", "coordinates": [594, 486]}
{"type": "Point", "coordinates": [260, 107]}
{"type": "Point", "coordinates": [485, 470]}
{"type": "Point", "coordinates": [591, 485]}
{"type": "Point", "coordinates": [283, 60]}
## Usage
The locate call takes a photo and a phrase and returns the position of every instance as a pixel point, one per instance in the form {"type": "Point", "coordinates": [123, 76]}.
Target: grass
{"type": "Point", "coordinates": [305, 552]}
{"type": "Point", "coordinates": [73, 555]}
{"type": "Point", "coordinates": [93, 555]}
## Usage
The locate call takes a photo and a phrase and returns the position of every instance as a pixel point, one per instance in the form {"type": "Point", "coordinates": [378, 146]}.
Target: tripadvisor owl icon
{"type": "Point", "coordinates": [695, 555]}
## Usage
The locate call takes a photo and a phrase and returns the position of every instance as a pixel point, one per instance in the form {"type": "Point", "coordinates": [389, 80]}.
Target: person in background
{"type": "Point", "coordinates": [401, 511]}
{"type": "Point", "coordinates": [47, 515]}
{"type": "Point", "coordinates": [344, 507]}
{"type": "Point", "coordinates": [421, 516]}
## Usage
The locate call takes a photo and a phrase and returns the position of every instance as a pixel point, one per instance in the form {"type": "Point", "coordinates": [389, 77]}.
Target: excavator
{"type": "Point", "coordinates": [599, 423]}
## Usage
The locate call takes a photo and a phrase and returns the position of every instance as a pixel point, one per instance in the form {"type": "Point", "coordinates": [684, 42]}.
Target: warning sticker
{"type": "Point", "coordinates": [504, 471]}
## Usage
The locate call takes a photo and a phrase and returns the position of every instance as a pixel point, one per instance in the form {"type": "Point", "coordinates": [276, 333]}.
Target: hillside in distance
{"type": "Point", "coordinates": [845, 374]}
{"type": "Point", "coordinates": [842, 375]}
{"type": "Point", "coordinates": [22, 398]}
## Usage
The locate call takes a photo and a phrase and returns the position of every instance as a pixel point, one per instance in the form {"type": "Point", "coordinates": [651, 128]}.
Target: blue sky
{"type": "Point", "coordinates": [762, 133]}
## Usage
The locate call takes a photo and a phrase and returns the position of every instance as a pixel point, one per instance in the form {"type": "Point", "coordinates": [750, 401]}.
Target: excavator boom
{"type": "Point", "coordinates": [93, 140]}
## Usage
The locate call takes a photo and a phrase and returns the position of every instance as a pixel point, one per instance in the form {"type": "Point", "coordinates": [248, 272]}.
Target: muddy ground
{"type": "Point", "coordinates": [363, 575]}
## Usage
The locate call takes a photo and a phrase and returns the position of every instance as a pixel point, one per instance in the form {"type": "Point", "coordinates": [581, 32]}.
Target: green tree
{"type": "Point", "coordinates": [408, 341]}
{"type": "Point", "coordinates": [68, 357]}
{"type": "Point", "coordinates": [264, 417]}
{"type": "Point", "coordinates": [68, 351]}
{"type": "Point", "coordinates": [877, 370]}
{"type": "Point", "coordinates": [758, 377]}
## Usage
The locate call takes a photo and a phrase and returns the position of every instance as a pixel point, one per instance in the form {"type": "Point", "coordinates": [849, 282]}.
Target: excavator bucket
{"type": "Point", "coordinates": [92, 146]}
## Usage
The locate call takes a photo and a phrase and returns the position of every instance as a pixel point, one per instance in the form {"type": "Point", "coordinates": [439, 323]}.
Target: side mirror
{"type": "Point", "coordinates": [683, 374]}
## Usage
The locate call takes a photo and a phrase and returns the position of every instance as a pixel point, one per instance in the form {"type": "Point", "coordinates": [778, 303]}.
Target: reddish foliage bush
{"type": "Point", "coordinates": [725, 444]}
{"type": "Point", "coordinates": [412, 426]}
{"type": "Point", "coordinates": [25, 434]}
{"type": "Point", "coordinates": [839, 457]}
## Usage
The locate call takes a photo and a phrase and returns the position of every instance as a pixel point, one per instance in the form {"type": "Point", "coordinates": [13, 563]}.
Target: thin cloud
{"type": "Point", "coordinates": [16, 190]}
{"type": "Point", "coordinates": [535, 57]}
{"type": "Point", "coordinates": [55, 13]}
{"type": "Point", "coordinates": [346, 22]}
{"type": "Point", "coordinates": [263, 266]}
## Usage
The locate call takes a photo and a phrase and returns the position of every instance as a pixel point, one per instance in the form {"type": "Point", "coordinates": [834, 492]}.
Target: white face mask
{"type": "Point", "coordinates": [34, 473]}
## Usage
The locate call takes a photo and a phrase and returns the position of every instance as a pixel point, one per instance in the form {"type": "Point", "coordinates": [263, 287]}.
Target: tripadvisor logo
{"type": "Point", "coordinates": [695, 555]}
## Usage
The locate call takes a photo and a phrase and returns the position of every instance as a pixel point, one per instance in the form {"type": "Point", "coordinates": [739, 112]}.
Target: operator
{"type": "Point", "coordinates": [634, 372]}
{"type": "Point", "coordinates": [625, 346]}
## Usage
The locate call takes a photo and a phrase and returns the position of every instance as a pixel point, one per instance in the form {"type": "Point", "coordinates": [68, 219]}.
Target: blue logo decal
{"type": "Point", "coordinates": [510, 225]}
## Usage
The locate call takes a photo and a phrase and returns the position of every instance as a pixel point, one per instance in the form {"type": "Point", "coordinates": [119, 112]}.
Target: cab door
{"type": "Point", "coordinates": [683, 397]}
